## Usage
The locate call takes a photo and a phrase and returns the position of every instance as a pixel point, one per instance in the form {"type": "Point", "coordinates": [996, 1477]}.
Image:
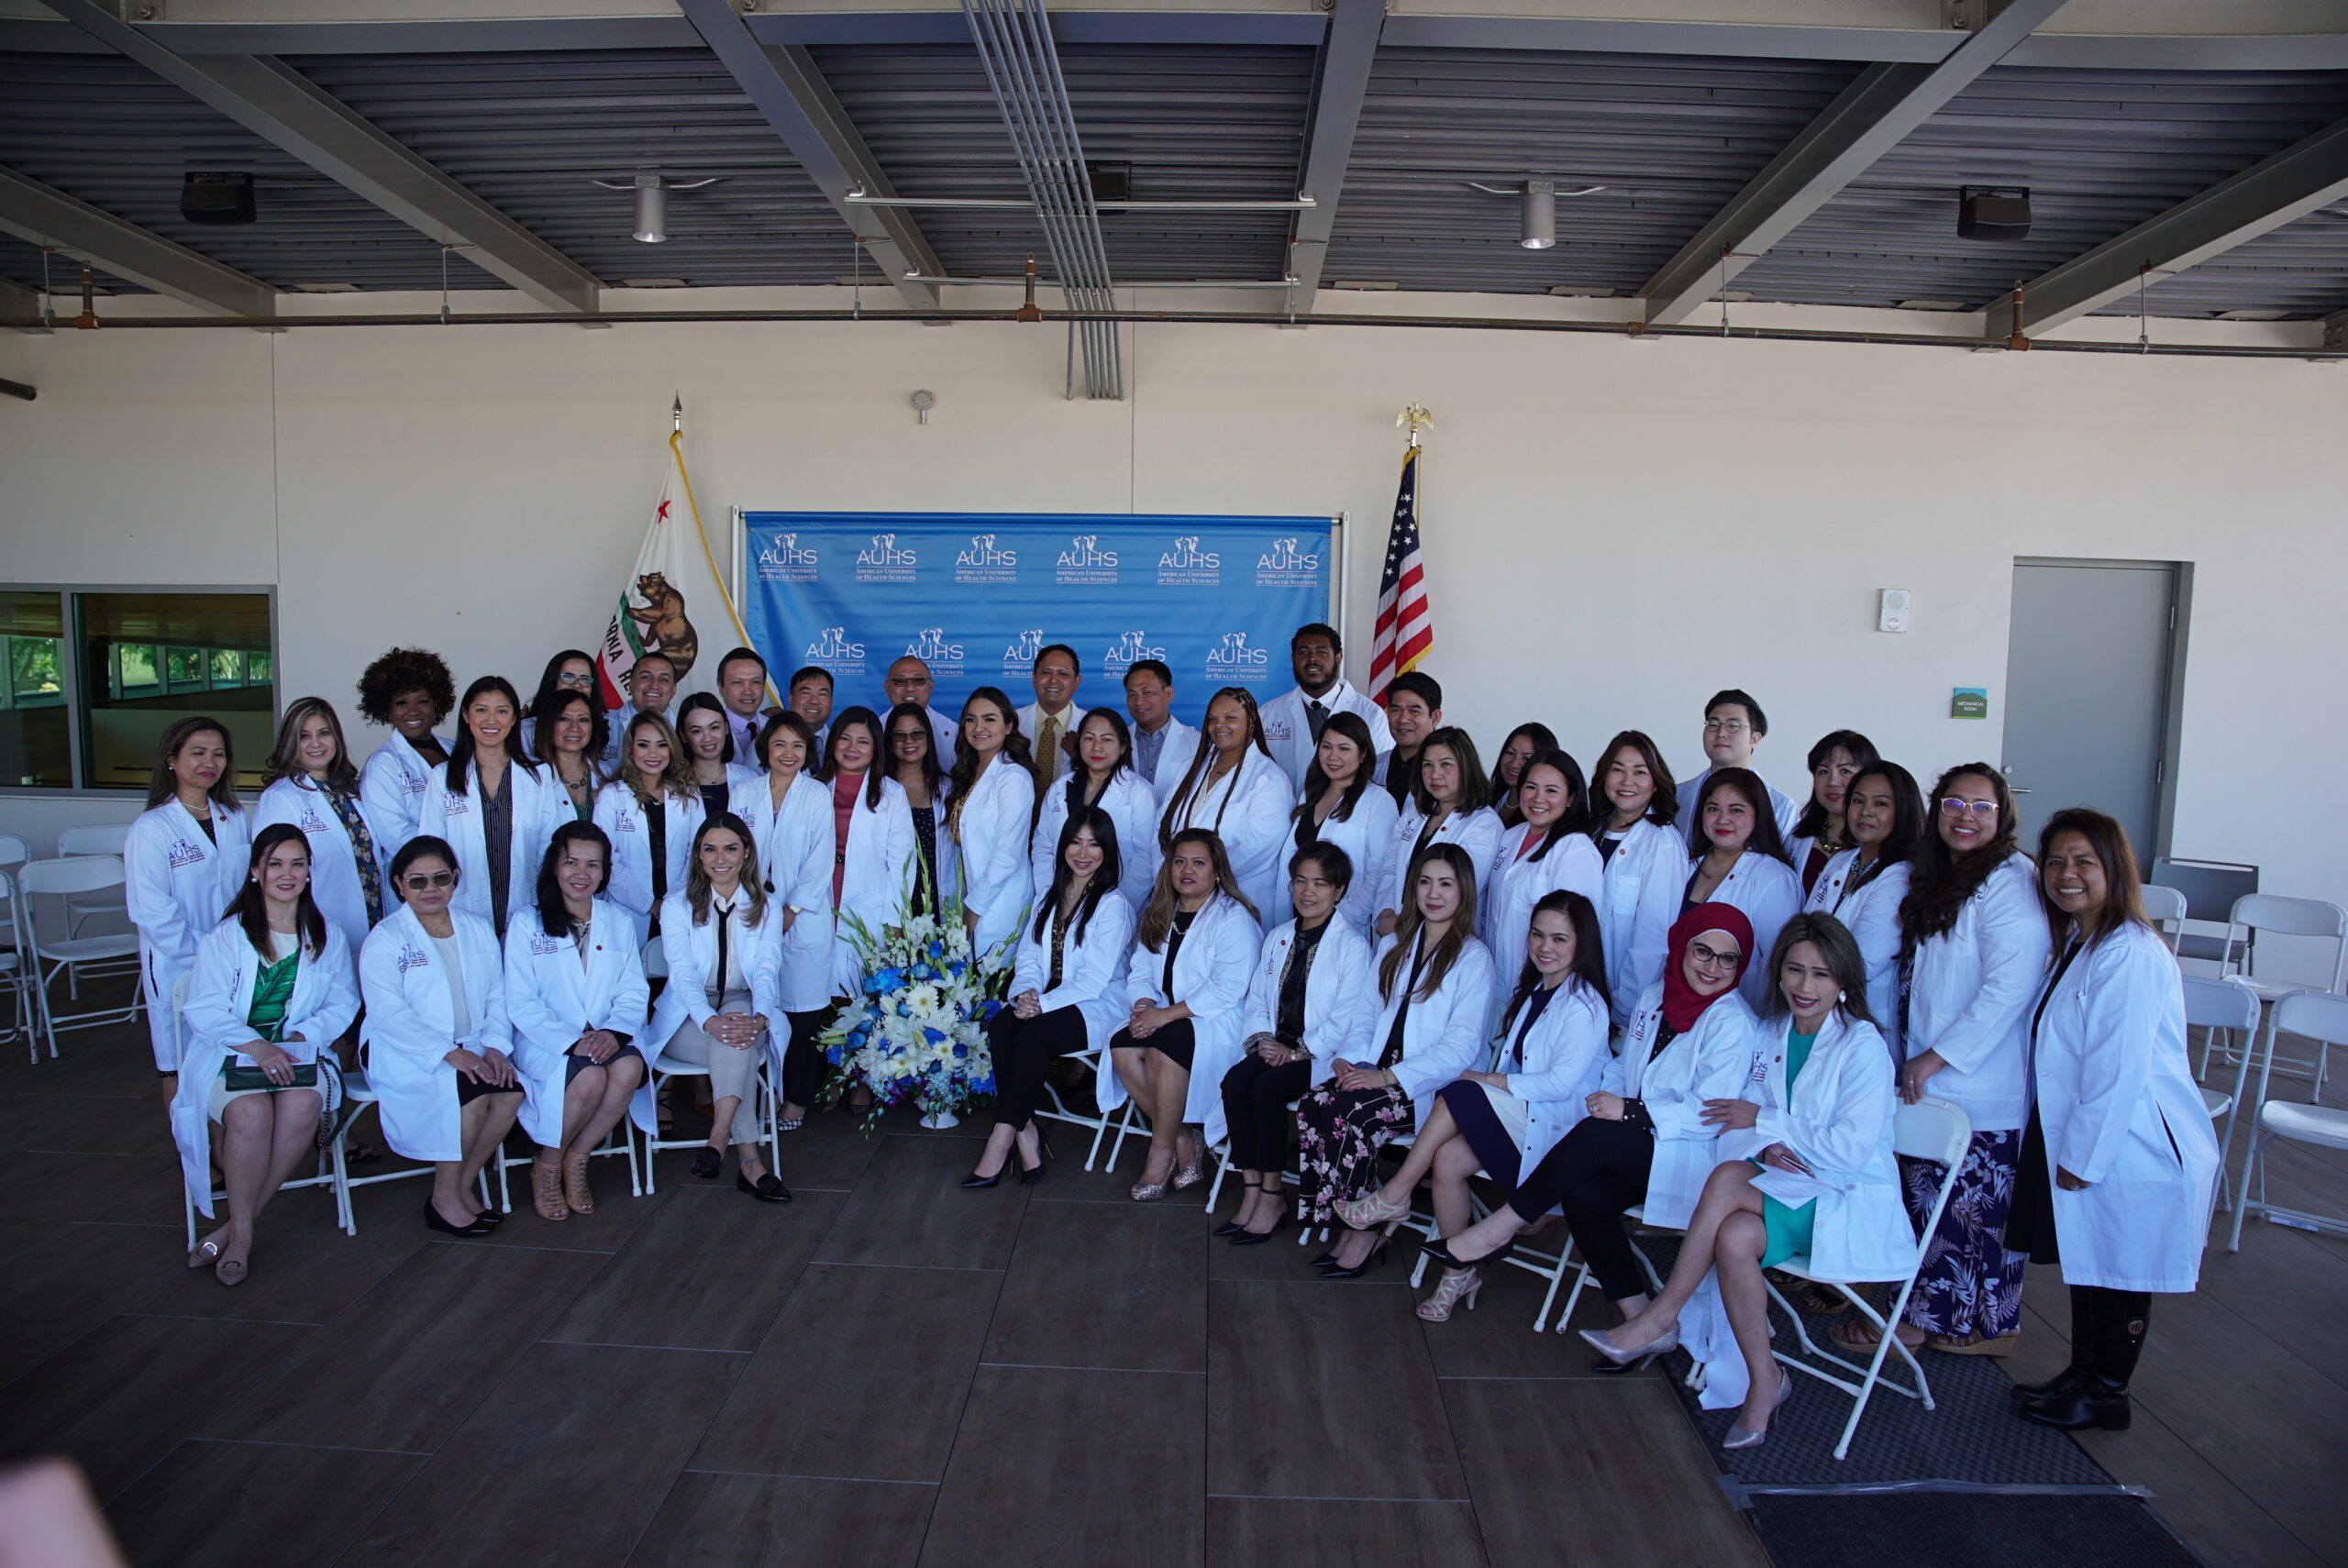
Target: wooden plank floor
{"type": "Point", "coordinates": [890, 1370]}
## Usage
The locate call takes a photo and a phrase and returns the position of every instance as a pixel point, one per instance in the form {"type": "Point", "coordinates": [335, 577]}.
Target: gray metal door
{"type": "Point", "coordinates": [2088, 668]}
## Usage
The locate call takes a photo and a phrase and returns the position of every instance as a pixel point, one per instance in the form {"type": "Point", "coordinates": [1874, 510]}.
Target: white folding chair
{"type": "Point", "coordinates": [14, 852]}
{"type": "Point", "coordinates": [327, 1175]}
{"type": "Point", "coordinates": [2270, 915]}
{"type": "Point", "coordinates": [94, 838]}
{"type": "Point", "coordinates": [661, 1070]}
{"type": "Point", "coordinates": [2323, 1018]}
{"type": "Point", "coordinates": [13, 971]}
{"type": "Point", "coordinates": [1057, 1108]}
{"type": "Point", "coordinates": [358, 1093]}
{"type": "Point", "coordinates": [2230, 1009]}
{"type": "Point", "coordinates": [2164, 907]}
{"type": "Point", "coordinates": [62, 878]}
{"type": "Point", "coordinates": [614, 1143]}
{"type": "Point", "coordinates": [1929, 1130]}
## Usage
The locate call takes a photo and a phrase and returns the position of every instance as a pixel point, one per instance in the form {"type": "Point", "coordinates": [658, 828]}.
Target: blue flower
{"type": "Point", "coordinates": [933, 1037]}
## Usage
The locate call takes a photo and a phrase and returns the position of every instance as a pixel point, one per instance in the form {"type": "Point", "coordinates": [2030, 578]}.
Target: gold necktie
{"type": "Point", "coordinates": [1048, 746]}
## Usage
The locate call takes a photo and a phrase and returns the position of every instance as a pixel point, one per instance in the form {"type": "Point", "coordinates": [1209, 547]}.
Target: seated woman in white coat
{"type": "Point", "coordinates": [1186, 995]}
{"type": "Point", "coordinates": [1308, 1002]}
{"type": "Point", "coordinates": [1740, 859]}
{"type": "Point", "coordinates": [1232, 787]}
{"type": "Point", "coordinates": [575, 997]}
{"type": "Point", "coordinates": [2118, 1162]}
{"type": "Point", "coordinates": [721, 1009]}
{"type": "Point", "coordinates": [313, 786]}
{"type": "Point", "coordinates": [1068, 989]}
{"type": "Point", "coordinates": [1102, 774]}
{"type": "Point", "coordinates": [648, 812]}
{"type": "Point", "coordinates": [873, 862]}
{"type": "Point", "coordinates": [1434, 983]}
{"type": "Point", "coordinates": [408, 692]}
{"type": "Point", "coordinates": [183, 861]}
{"type": "Point", "coordinates": [1646, 1139]}
{"type": "Point", "coordinates": [439, 1051]}
{"type": "Point", "coordinates": [1549, 848]}
{"type": "Point", "coordinates": [494, 805]}
{"type": "Point", "coordinates": [990, 806]}
{"type": "Point", "coordinates": [1635, 829]}
{"type": "Point", "coordinates": [1343, 807]}
{"type": "Point", "coordinates": [1448, 806]}
{"type": "Point", "coordinates": [1806, 1172]}
{"type": "Point", "coordinates": [789, 812]}
{"type": "Point", "coordinates": [1502, 1121]}
{"type": "Point", "coordinates": [1822, 832]}
{"type": "Point", "coordinates": [1863, 886]}
{"type": "Point", "coordinates": [272, 983]}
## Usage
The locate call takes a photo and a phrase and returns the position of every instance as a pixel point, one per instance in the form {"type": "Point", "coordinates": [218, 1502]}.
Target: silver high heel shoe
{"type": "Point", "coordinates": [1450, 1292]}
{"type": "Point", "coordinates": [1648, 1352]}
{"type": "Point", "coordinates": [1739, 1438]}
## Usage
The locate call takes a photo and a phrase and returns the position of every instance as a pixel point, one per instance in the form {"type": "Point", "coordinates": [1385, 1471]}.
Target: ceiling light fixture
{"type": "Point", "coordinates": [652, 201]}
{"type": "Point", "coordinates": [1539, 231]}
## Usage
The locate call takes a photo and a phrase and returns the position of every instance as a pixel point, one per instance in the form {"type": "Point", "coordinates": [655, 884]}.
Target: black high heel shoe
{"type": "Point", "coordinates": [1377, 1257]}
{"type": "Point", "coordinates": [1440, 1252]}
{"type": "Point", "coordinates": [1246, 1238]}
{"type": "Point", "coordinates": [1231, 1228]}
{"type": "Point", "coordinates": [977, 1183]}
{"type": "Point", "coordinates": [433, 1222]}
{"type": "Point", "coordinates": [1030, 1175]}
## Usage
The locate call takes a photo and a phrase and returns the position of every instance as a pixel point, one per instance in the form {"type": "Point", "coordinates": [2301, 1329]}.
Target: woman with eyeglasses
{"type": "Point", "coordinates": [1448, 805]}
{"type": "Point", "coordinates": [494, 803]}
{"type": "Point", "coordinates": [408, 692]}
{"type": "Point", "coordinates": [570, 672]}
{"type": "Point", "coordinates": [181, 863]}
{"type": "Point", "coordinates": [1634, 826]}
{"type": "Point", "coordinates": [1343, 807]}
{"type": "Point", "coordinates": [1102, 776]}
{"type": "Point", "coordinates": [1549, 848]}
{"type": "Point", "coordinates": [707, 734]}
{"type": "Point", "coordinates": [912, 765]}
{"type": "Point", "coordinates": [313, 786]}
{"type": "Point", "coordinates": [1740, 860]}
{"type": "Point", "coordinates": [1232, 788]}
{"type": "Point", "coordinates": [571, 736]}
{"type": "Point", "coordinates": [648, 815]}
{"type": "Point", "coordinates": [1819, 835]}
{"type": "Point", "coordinates": [440, 1050]}
{"type": "Point", "coordinates": [1524, 743]}
{"type": "Point", "coordinates": [1863, 886]}
{"type": "Point", "coordinates": [1974, 945]}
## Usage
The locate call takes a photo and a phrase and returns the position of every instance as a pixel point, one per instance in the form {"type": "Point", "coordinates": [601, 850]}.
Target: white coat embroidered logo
{"type": "Point", "coordinates": [185, 852]}
{"type": "Point", "coordinates": [411, 958]}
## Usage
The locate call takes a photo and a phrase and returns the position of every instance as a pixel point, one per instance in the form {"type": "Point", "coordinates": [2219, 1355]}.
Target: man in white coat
{"type": "Point", "coordinates": [1733, 727]}
{"type": "Point", "coordinates": [1292, 720]}
{"type": "Point", "coordinates": [742, 687]}
{"type": "Point", "coordinates": [651, 682]}
{"type": "Point", "coordinates": [1162, 743]}
{"type": "Point", "coordinates": [1053, 716]}
{"type": "Point", "coordinates": [909, 680]}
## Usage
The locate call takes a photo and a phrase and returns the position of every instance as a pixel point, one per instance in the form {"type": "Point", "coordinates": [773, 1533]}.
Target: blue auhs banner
{"type": "Point", "coordinates": [978, 594]}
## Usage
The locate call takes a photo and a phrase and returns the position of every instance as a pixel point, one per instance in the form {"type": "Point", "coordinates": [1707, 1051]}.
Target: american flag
{"type": "Point", "coordinates": [1405, 630]}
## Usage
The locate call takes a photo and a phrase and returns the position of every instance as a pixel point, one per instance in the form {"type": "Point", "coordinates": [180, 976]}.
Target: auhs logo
{"type": "Point", "coordinates": [1022, 653]}
{"type": "Point", "coordinates": [884, 552]}
{"type": "Point", "coordinates": [832, 646]}
{"type": "Point", "coordinates": [1085, 552]}
{"type": "Point", "coordinates": [1185, 556]}
{"type": "Point", "coordinates": [1284, 556]}
{"type": "Point", "coordinates": [1129, 650]}
{"type": "Point", "coordinates": [931, 647]}
{"type": "Point", "coordinates": [785, 552]}
{"type": "Point", "coordinates": [1236, 660]}
{"type": "Point", "coordinates": [982, 553]}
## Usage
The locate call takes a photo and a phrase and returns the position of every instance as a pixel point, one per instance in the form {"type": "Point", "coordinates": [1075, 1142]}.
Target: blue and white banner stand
{"type": "Point", "coordinates": [978, 595]}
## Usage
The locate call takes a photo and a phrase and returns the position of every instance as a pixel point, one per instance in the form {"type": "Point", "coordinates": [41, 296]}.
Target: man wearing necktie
{"type": "Point", "coordinates": [1294, 719]}
{"type": "Point", "coordinates": [1052, 715]}
{"type": "Point", "coordinates": [742, 687]}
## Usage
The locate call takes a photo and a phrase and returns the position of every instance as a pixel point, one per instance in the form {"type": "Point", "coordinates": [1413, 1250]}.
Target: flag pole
{"type": "Point", "coordinates": [677, 455]}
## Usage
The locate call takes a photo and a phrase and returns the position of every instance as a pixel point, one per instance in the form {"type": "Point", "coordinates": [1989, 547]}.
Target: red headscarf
{"type": "Point", "coordinates": [1681, 1005]}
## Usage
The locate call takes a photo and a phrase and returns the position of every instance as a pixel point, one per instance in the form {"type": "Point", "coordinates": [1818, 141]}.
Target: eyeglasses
{"type": "Point", "coordinates": [429, 882]}
{"type": "Point", "coordinates": [1952, 807]}
{"type": "Point", "coordinates": [576, 682]}
{"type": "Point", "coordinates": [1725, 726]}
{"type": "Point", "coordinates": [1707, 958]}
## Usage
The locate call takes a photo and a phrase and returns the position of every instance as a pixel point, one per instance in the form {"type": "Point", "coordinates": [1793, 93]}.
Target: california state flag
{"type": "Point", "coordinates": [674, 604]}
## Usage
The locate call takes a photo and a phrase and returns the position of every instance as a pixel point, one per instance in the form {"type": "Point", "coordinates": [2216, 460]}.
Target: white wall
{"type": "Point", "coordinates": [1614, 528]}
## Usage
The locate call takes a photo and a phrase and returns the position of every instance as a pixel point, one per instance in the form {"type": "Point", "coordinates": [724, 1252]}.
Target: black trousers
{"type": "Point", "coordinates": [1024, 1049]}
{"type": "Point", "coordinates": [799, 1054]}
{"type": "Point", "coordinates": [1256, 1098]}
{"type": "Point", "coordinates": [1596, 1171]}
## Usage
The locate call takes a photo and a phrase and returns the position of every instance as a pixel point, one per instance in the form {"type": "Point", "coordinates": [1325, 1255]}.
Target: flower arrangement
{"type": "Point", "coordinates": [916, 1032]}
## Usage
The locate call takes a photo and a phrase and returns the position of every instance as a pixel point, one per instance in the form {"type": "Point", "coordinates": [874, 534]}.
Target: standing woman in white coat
{"type": "Point", "coordinates": [183, 861]}
{"type": "Point", "coordinates": [873, 862]}
{"type": "Point", "coordinates": [1524, 743]}
{"type": "Point", "coordinates": [648, 812]}
{"type": "Point", "coordinates": [1863, 886]}
{"type": "Point", "coordinates": [705, 731]}
{"type": "Point", "coordinates": [272, 983]}
{"type": "Point", "coordinates": [313, 786]}
{"type": "Point", "coordinates": [1435, 984]}
{"type": "Point", "coordinates": [1819, 832]}
{"type": "Point", "coordinates": [569, 734]}
{"type": "Point", "coordinates": [1635, 829]}
{"type": "Point", "coordinates": [914, 766]}
{"type": "Point", "coordinates": [1503, 1121]}
{"type": "Point", "coordinates": [408, 692]}
{"type": "Point", "coordinates": [494, 803]}
{"type": "Point", "coordinates": [790, 817]}
{"type": "Point", "coordinates": [1974, 944]}
{"type": "Point", "coordinates": [2117, 1160]}
{"type": "Point", "coordinates": [1448, 805]}
{"type": "Point", "coordinates": [1739, 859]}
{"type": "Point", "coordinates": [1807, 1170]}
{"type": "Point", "coordinates": [1068, 988]}
{"type": "Point", "coordinates": [1343, 807]}
{"type": "Point", "coordinates": [1232, 788]}
{"type": "Point", "coordinates": [990, 806]}
{"type": "Point", "coordinates": [575, 996]}
{"type": "Point", "coordinates": [1186, 995]}
{"type": "Point", "coordinates": [1102, 775]}
{"type": "Point", "coordinates": [439, 1048]}
{"type": "Point", "coordinates": [1549, 848]}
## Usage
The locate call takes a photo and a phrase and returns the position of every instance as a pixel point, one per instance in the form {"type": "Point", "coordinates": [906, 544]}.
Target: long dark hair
{"type": "Point", "coordinates": [876, 772]}
{"type": "Point", "coordinates": [1179, 798]}
{"type": "Point", "coordinates": [1352, 727]}
{"type": "Point", "coordinates": [1577, 816]}
{"type": "Point", "coordinates": [249, 907]}
{"type": "Point", "coordinates": [1908, 823]}
{"type": "Point", "coordinates": [554, 915]}
{"type": "Point", "coordinates": [1080, 774]}
{"type": "Point", "coordinates": [460, 754]}
{"type": "Point", "coordinates": [1474, 790]}
{"type": "Point", "coordinates": [553, 672]}
{"type": "Point", "coordinates": [547, 712]}
{"type": "Point", "coordinates": [1812, 822]}
{"type": "Point", "coordinates": [1939, 883]}
{"type": "Point", "coordinates": [932, 774]}
{"type": "Point", "coordinates": [283, 760]}
{"type": "Point", "coordinates": [1105, 880]}
{"type": "Point", "coordinates": [1746, 783]}
{"type": "Point", "coordinates": [2123, 892]}
{"type": "Point", "coordinates": [698, 891]}
{"type": "Point", "coordinates": [965, 757]}
{"type": "Point", "coordinates": [1663, 808]}
{"type": "Point", "coordinates": [703, 701]}
{"type": "Point", "coordinates": [1409, 923]}
{"type": "Point", "coordinates": [1838, 947]}
{"type": "Point", "coordinates": [1159, 918]}
{"type": "Point", "coordinates": [164, 786]}
{"type": "Point", "coordinates": [1589, 953]}
{"type": "Point", "coordinates": [1497, 792]}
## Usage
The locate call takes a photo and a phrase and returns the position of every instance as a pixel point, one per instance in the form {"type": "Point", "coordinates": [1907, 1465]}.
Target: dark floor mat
{"type": "Point", "coordinates": [1960, 1530]}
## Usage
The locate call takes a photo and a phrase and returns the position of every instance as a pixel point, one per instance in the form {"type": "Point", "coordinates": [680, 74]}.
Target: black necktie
{"type": "Point", "coordinates": [717, 980]}
{"type": "Point", "coordinates": [1320, 717]}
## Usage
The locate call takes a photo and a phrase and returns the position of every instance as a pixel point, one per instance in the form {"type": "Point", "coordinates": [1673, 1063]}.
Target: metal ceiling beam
{"type": "Point", "coordinates": [280, 105]}
{"type": "Point", "coordinates": [791, 92]}
{"type": "Point", "coordinates": [1340, 84]}
{"type": "Point", "coordinates": [2303, 177]}
{"type": "Point", "coordinates": [1873, 115]}
{"type": "Point", "coordinates": [42, 215]}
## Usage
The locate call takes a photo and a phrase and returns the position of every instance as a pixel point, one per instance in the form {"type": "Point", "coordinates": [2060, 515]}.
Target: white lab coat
{"type": "Point", "coordinates": [411, 1029]}
{"type": "Point", "coordinates": [1173, 756]}
{"type": "Point", "coordinates": [1477, 831]}
{"type": "Point", "coordinates": [391, 788]}
{"type": "Point", "coordinates": [876, 866]}
{"type": "Point", "coordinates": [1505, 903]}
{"type": "Point", "coordinates": [540, 804]}
{"type": "Point", "coordinates": [1444, 1035]}
{"type": "Point", "coordinates": [691, 953]}
{"type": "Point", "coordinates": [1367, 836]}
{"type": "Point", "coordinates": [625, 821]}
{"type": "Point", "coordinates": [1132, 806]}
{"type": "Point", "coordinates": [334, 859]}
{"type": "Point", "coordinates": [2120, 1111]}
{"type": "Point", "coordinates": [1712, 1061]}
{"type": "Point", "coordinates": [1031, 724]}
{"type": "Point", "coordinates": [1248, 809]}
{"type": "Point", "coordinates": [1769, 894]}
{"type": "Point", "coordinates": [1340, 995]}
{"type": "Point", "coordinates": [1969, 998]}
{"type": "Point", "coordinates": [796, 849]}
{"type": "Point", "coordinates": [1288, 726]}
{"type": "Point", "coordinates": [1565, 1055]}
{"type": "Point", "coordinates": [1871, 911]}
{"type": "Point", "coordinates": [177, 883]}
{"type": "Point", "coordinates": [1092, 968]}
{"type": "Point", "coordinates": [1786, 808]}
{"type": "Point", "coordinates": [220, 997]}
{"type": "Point", "coordinates": [1210, 974]}
{"type": "Point", "coordinates": [943, 729]}
{"type": "Point", "coordinates": [552, 998]}
{"type": "Point", "coordinates": [989, 864]}
{"type": "Point", "coordinates": [1646, 879]}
